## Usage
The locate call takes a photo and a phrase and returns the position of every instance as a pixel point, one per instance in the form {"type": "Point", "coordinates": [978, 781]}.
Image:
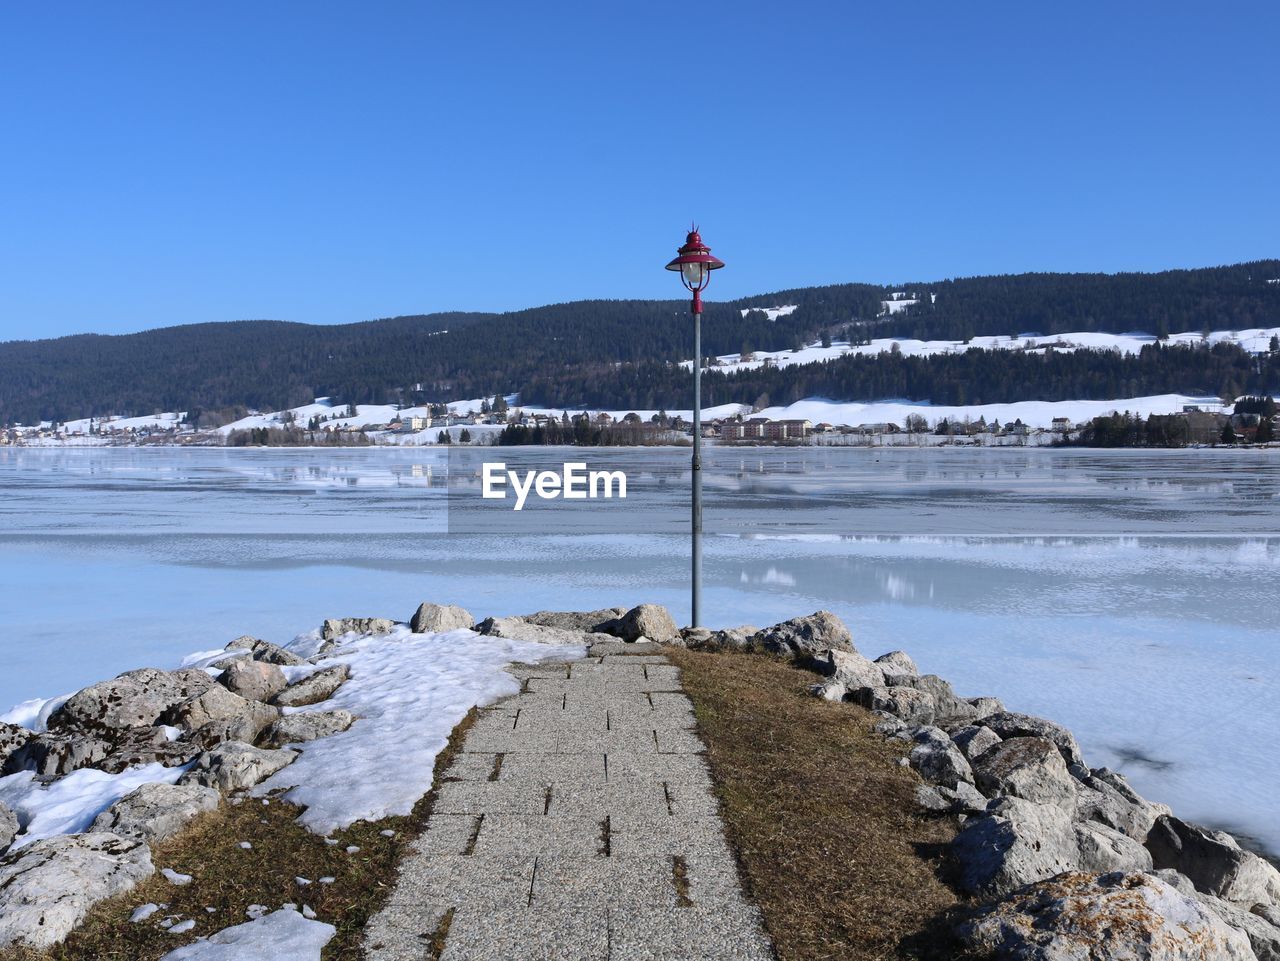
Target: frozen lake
{"type": "Point", "coordinates": [1129, 595]}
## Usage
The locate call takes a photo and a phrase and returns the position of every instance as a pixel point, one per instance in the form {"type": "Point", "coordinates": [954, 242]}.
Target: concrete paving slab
{"type": "Point", "coordinates": [447, 834]}
{"type": "Point", "coordinates": [470, 767]}
{"type": "Point", "coordinates": [490, 797]}
{"type": "Point", "coordinates": [579, 836]}
{"type": "Point", "coordinates": [553, 768]}
{"type": "Point", "coordinates": [499, 880]}
{"type": "Point", "coordinates": [569, 933]}
{"type": "Point", "coordinates": [686, 934]}
{"type": "Point", "coordinates": [604, 648]}
{"type": "Point", "coordinates": [679, 742]}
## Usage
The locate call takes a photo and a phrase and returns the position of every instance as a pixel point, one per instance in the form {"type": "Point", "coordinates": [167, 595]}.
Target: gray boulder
{"type": "Point", "coordinates": [1008, 724]}
{"type": "Point", "coordinates": [974, 740]}
{"type": "Point", "coordinates": [145, 745]}
{"type": "Point", "coordinates": [645, 620]}
{"type": "Point", "coordinates": [937, 759]}
{"type": "Point", "coordinates": [335, 627]}
{"type": "Point", "coordinates": [1214, 862]}
{"type": "Point", "coordinates": [897, 662]}
{"type": "Point", "coordinates": [8, 827]}
{"type": "Point", "coordinates": [805, 636]}
{"type": "Point", "coordinates": [589, 622]}
{"type": "Point", "coordinates": [254, 680]}
{"type": "Point", "coordinates": [55, 754]}
{"type": "Point", "coordinates": [724, 639]}
{"type": "Point", "coordinates": [1018, 842]}
{"type": "Point", "coordinates": [905, 703]}
{"type": "Point", "coordinates": [1026, 767]}
{"type": "Point", "coordinates": [217, 704]}
{"type": "Point", "coordinates": [261, 650]}
{"type": "Point", "coordinates": [1263, 931]}
{"type": "Point", "coordinates": [320, 686]}
{"type": "Point", "coordinates": [948, 708]}
{"type": "Point", "coordinates": [964, 798]}
{"type": "Point", "coordinates": [247, 728]}
{"type": "Point", "coordinates": [1112, 917]}
{"type": "Point", "coordinates": [849, 668]}
{"type": "Point", "coordinates": [12, 737]}
{"type": "Point", "coordinates": [134, 699]}
{"type": "Point", "coordinates": [829, 690]}
{"type": "Point", "coordinates": [1106, 797]}
{"type": "Point", "coordinates": [234, 766]}
{"type": "Point", "coordinates": [156, 812]}
{"type": "Point", "coordinates": [438, 618]}
{"type": "Point", "coordinates": [307, 726]}
{"type": "Point", "coordinates": [931, 799]}
{"type": "Point", "coordinates": [518, 629]}
{"type": "Point", "coordinates": [985, 706]}
{"type": "Point", "coordinates": [1103, 849]}
{"type": "Point", "coordinates": [48, 887]}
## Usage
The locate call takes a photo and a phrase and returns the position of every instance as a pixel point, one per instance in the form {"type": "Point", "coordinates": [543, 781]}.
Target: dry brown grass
{"type": "Point", "coordinates": [229, 878]}
{"type": "Point", "coordinates": [833, 847]}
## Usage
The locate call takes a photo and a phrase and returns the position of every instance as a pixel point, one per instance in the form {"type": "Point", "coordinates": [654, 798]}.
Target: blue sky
{"type": "Point", "coordinates": [168, 163]}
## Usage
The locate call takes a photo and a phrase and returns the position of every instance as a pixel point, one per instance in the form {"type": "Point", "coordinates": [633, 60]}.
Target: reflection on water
{"type": "Point", "coordinates": [1130, 595]}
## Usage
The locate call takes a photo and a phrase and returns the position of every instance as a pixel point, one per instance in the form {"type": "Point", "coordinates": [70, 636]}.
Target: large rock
{"type": "Point", "coordinates": [335, 627]}
{"type": "Point", "coordinates": [1112, 917]}
{"type": "Point", "coordinates": [1263, 931]}
{"type": "Point", "coordinates": [848, 668]}
{"type": "Point", "coordinates": [1027, 767]}
{"type": "Point", "coordinates": [589, 622]}
{"type": "Point", "coordinates": [948, 708]}
{"type": "Point", "coordinates": [320, 686]}
{"type": "Point", "coordinates": [247, 728]}
{"type": "Point", "coordinates": [974, 740]}
{"type": "Point", "coordinates": [261, 650]}
{"type": "Point", "coordinates": [984, 707]}
{"type": "Point", "coordinates": [12, 737]}
{"type": "Point", "coordinates": [438, 618]}
{"type": "Point", "coordinates": [518, 629]}
{"type": "Point", "coordinates": [217, 704]}
{"type": "Point", "coordinates": [1214, 862]}
{"type": "Point", "coordinates": [905, 703]}
{"type": "Point", "coordinates": [234, 765]}
{"type": "Point", "coordinates": [146, 745]}
{"type": "Point", "coordinates": [307, 726]}
{"type": "Point", "coordinates": [806, 636]}
{"type": "Point", "coordinates": [156, 812]}
{"type": "Point", "coordinates": [48, 887]}
{"type": "Point", "coordinates": [134, 699]}
{"type": "Point", "coordinates": [1017, 842]}
{"type": "Point", "coordinates": [8, 826]}
{"type": "Point", "coordinates": [1104, 796]}
{"type": "Point", "coordinates": [1103, 849]}
{"type": "Point", "coordinates": [1008, 724]}
{"type": "Point", "coordinates": [55, 754]}
{"type": "Point", "coordinates": [937, 759]}
{"type": "Point", "coordinates": [897, 662]}
{"type": "Point", "coordinates": [254, 680]}
{"type": "Point", "coordinates": [646, 620]}
{"type": "Point", "coordinates": [722, 639]}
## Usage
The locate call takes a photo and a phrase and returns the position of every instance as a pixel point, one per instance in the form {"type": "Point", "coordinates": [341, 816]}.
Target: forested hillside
{"type": "Point", "coordinates": [622, 353]}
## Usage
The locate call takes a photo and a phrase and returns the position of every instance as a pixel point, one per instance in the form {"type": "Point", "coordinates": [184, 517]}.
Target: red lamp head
{"type": "Point", "coordinates": [695, 263]}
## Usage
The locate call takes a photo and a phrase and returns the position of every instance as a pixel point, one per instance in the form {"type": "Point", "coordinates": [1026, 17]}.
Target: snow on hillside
{"type": "Point", "coordinates": [161, 421]}
{"type": "Point", "coordinates": [1033, 413]}
{"type": "Point", "coordinates": [773, 313]}
{"type": "Point", "coordinates": [1256, 340]}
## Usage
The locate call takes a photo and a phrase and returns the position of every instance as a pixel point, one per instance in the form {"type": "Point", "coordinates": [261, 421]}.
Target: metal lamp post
{"type": "Point", "coordinates": [695, 264]}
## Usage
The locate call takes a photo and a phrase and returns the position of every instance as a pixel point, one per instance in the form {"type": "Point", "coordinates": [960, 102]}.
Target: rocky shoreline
{"type": "Point", "coordinates": [1056, 857]}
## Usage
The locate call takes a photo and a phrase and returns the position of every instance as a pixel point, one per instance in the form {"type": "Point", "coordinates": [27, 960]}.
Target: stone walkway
{"type": "Point", "coordinates": [578, 823]}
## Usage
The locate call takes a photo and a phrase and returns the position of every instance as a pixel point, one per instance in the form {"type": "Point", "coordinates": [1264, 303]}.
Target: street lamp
{"type": "Point", "coordinates": [695, 264]}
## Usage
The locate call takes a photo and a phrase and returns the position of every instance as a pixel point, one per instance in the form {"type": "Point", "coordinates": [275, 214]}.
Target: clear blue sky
{"type": "Point", "coordinates": [171, 163]}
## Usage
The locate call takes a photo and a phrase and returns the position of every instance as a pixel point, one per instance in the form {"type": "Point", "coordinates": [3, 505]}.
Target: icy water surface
{"type": "Point", "coordinates": [1130, 595]}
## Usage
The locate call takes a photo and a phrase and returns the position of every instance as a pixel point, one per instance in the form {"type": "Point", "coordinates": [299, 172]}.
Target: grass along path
{"type": "Point", "coordinates": [834, 849]}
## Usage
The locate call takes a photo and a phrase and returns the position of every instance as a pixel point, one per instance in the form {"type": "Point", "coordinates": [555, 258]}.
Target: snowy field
{"type": "Point", "coordinates": [1120, 592]}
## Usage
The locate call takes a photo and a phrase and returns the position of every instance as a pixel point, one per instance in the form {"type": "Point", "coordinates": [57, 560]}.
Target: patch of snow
{"type": "Point", "coordinates": [247, 845]}
{"type": "Point", "coordinates": [70, 804]}
{"type": "Point", "coordinates": [328, 880]}
{"type": "Point", "coordinates": [773, 313]}
{"type": "Point", "coordinates": [897, 304]}
{"type": "Point", "coordinates": [143, 912]}
{"type": "Point", "coordinates": [34, 714]}
{"type": "Point", "coordinates": [173, 877]}
{"type": "Point", "coordinates": [165, 421]}
{"type": "Point", "coordinates": [280, 936]}
{"type": "Point", "coordinates": [301, 881]}
{"type": "Point", "coordinates": [256, 911]}
{"type": "Point", "coordinates": [408, 691]}
{"type": "Point", "coordinates": [1033, 413]}
{"type": "Point", "coordinates": [182, 927]}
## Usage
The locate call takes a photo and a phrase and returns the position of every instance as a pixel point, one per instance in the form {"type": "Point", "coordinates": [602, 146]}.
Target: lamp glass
{"type": "Point", "coordinates": [693, 273]}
